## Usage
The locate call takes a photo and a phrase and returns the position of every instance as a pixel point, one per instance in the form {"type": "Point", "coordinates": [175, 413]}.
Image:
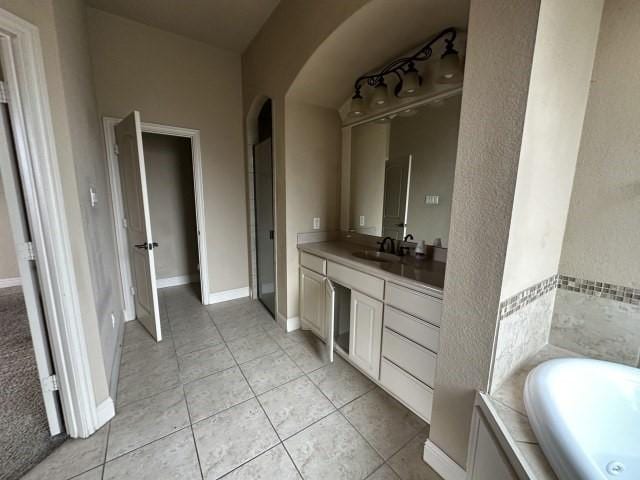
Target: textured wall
{"type": "Point", "coordinates": [562, 66]}
{"type": "Point", "coordinates": [603, 228]}
{"type": "Point", "coordinates": [499, 55]}
{"type": "Point", "coordinates": [180, 82]}
{"type": "Point", "coordinates": [269, 67]}
{"type": "Point", "coordinates": [172, 204]}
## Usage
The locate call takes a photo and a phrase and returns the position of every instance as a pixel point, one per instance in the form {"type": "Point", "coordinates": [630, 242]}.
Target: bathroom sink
{"type": "Point", "coordinates": [380, 257]}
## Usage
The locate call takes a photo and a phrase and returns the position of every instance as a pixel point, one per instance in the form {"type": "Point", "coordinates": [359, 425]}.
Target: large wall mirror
{"type": "Point", "coordinates": [401, 170]}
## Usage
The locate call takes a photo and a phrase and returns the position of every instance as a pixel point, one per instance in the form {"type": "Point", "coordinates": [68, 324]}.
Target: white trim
{"type": "Point", "coordinates": [29, 107]}
{"type": "Point", "coordinates": [177, 280]}
{"type": "Point", "coordinates": [442, 463]}
{"type": "Point", "coordinates": [225, 295]}
{"type": "Point", "coordinates": [109, 124]}
{"type": "Point", "coordinates": [115, 366]}
{"type": "Point", "coordinates": [289, 324]}
{"type": "Point", "coordinates": [10, 282]}
{"type": "Point", "coordinates": [105, 411]}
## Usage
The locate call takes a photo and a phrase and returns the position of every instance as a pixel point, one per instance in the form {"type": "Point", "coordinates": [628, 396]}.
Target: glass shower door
{"type": "Point", "coordinates": [264, 228]}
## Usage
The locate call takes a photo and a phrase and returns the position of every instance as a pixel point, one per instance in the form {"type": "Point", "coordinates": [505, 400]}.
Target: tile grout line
{"type": "Point", "coordinates": [281, 350]}
{"type": "Point", "coordinates": [268, 419]}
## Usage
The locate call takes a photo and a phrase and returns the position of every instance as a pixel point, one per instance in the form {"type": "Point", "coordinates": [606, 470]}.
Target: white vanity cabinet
{"type": "Point", "coordinates": [312, 302]}
{"type": "Point", "coordinates": [387, 330]}
{"type": "Point", "coordinates": [366, 333]}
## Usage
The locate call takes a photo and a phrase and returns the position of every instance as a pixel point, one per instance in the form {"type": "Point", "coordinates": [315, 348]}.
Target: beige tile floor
{"type": "Point", "coordinates": [227, 394]}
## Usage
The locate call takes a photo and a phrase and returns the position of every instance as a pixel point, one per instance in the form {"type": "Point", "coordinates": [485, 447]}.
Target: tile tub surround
{"type": "Point", "coordinates": [245, 419]}
{"type": "Point", "coordinates": [521, 334]}
{"type": "Point", "coordinates": [597, 326]}
{"type": "Point", "coordinates": [596, 319]}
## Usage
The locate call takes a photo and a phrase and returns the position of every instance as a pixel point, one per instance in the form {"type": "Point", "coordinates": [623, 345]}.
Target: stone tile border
{"type": "Point", "coordinates": [594, 288]}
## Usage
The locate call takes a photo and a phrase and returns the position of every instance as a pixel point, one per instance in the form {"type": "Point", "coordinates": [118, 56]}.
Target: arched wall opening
{"type": "Point", "coordinates": [375, 34]}
{"type": "Point", "coordinates": [259, 128]}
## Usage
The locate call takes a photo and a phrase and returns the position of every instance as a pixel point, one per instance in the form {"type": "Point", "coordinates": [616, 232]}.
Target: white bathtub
{"type": "Point", "coordinates": [586, 416]}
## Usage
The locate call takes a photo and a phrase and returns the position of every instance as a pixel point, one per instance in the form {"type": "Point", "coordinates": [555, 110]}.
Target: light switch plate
{"type": "Point", "coordinates": [432, 199]}
{"type": "Point", "coordinates": [316, 223]}
{"type": "Point", "coordinates": [362, 220]}
{"type": "Point", "coordinates": [93, 196]}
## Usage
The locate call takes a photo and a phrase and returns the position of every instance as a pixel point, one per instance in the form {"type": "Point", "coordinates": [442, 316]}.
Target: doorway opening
{"type": "Point", "coordinates": [156, 185]}
{"type": "Point", "coordinates": [263, 210]}
{"type": "Point", "coordinates": [32, 419]}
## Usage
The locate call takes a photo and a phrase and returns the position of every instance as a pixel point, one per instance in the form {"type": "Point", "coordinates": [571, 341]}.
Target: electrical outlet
{"type": "Point", "coordinates": [316, 223]}
{"type": "Point", "coordinates": [362, 220]}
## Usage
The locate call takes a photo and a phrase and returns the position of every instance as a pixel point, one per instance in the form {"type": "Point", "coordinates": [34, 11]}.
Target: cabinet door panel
{"type": "Point", "coordinates": [312, 301]}
{"type": "Point", "coordinates": [366, 332]}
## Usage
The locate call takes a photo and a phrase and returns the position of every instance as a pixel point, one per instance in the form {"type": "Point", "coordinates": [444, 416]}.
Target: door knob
{"type": "Point", "coordinates": [147, 246]}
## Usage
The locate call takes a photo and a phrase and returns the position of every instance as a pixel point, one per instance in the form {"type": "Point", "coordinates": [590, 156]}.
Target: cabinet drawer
{"type": "Point", "coordinates": [413, 328]}
{"type": "Point", "coordinates": [414, 393]}
{"type": "Point", "coordinates": [362, 282]}
{"type": "Point", "coordinates": [317, 264]}
{"type": "Point", "coordinates": [417, 360]}
{"type": "Point", "coordinates": [422, 306]}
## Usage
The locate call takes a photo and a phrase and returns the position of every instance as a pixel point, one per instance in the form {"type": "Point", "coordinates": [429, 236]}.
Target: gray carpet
{"type": "Point", "coordinates": [24, 432]}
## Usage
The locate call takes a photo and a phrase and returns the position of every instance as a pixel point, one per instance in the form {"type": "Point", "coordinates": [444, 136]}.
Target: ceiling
{"type": "Point", "coordinates": [227, 24]}
{"type": "Point", "coordinates": [380, 31]}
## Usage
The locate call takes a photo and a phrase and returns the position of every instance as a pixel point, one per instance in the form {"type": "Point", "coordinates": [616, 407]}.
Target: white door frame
{"type": "Point", "coordinates": [109, 124]}
{"type": "Point", "coordinates": [30, 112]}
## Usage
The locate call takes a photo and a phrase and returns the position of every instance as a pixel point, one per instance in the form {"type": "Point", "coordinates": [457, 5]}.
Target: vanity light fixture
{"type": "Point", "coordinates": [409, 79]}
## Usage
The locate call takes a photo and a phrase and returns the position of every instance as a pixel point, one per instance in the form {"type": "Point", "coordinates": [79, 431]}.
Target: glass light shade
{"type": "Point", "coordinates": [410, 84]}
{"type": "Point", "coordinates": [449, 68]}
{"type": "Point", "coordinates": [380, 95]}
{"type": "Point", "coordinates": [357, 106]}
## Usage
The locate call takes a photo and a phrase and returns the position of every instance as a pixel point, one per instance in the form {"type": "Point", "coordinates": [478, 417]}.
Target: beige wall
{"type": "Point", "coordinates": [8, 260]}
{"type": "Point", "coordinates": [369, 152]}
{"type": "Point", "coordinates": [431, 138]}
{"type": "Point", "coordinates": [534, 98]}
{"type": "Point", "coordinates": [172, 204]}
{"type": "Point", "coordinates": [180, 82]}
{"type": "Point", "coordinates": [494, 99]}
{"type": "Point", "coordinates": [603, 228]}
{"type": "Point", "coordinates": [62, 30]}
{"type": "Point", "coordinates": [560, 80]}
{"type": "Point", "coordinates": [269, 67]}
{"type": "Point", "coordinates": [313, 139]}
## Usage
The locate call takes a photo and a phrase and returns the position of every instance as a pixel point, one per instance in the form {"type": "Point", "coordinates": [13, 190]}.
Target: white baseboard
{"type": "Point", "coordinates": [442, 463]}
{"type": "Point", "coordinates": [105, 412]}
{"type": "Point", "coordinates": [10, 282]}
{"type": "Point", "coordinates": [225, 295]}
{"type": "Point", "coordinates": [175, 281]}
{"type": "Point", "coordinates": [289, 324]}
{"type": "Point", "coordinates": [293, 323]}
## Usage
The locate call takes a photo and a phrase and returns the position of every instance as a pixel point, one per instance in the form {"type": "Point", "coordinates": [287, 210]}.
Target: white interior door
{"type": "Point", "coordinates": [396, 194]}
{"type": "Point", "coordinates": [28, 273]}
{"type": "Point", "coordinates": [329, 309]}
{"type": "Point", "coordinates": [133, 181]}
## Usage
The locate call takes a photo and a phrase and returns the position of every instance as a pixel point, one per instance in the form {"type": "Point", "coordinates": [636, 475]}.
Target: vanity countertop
{"type": "Point", "coordinates": [424, 275]}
